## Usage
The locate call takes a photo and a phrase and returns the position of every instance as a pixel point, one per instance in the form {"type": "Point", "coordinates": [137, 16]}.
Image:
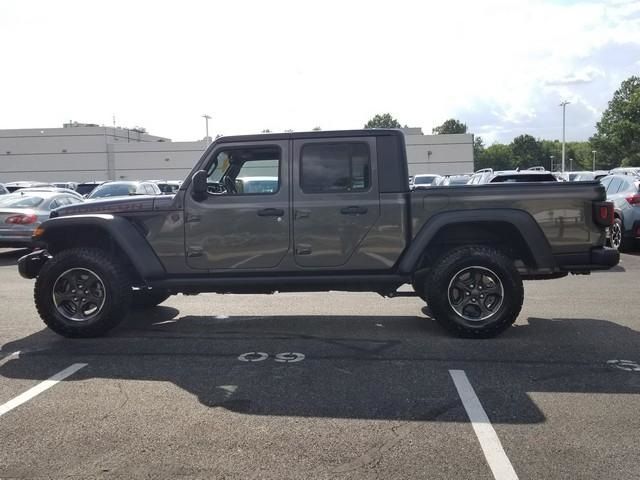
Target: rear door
{"type": "Point", "coordinates": [335, 199]}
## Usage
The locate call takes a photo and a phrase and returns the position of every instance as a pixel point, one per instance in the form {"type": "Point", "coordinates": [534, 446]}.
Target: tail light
{"type": "Point", "coordinates": [603, 213]}
{"type": "Point", "coordinates": [22, 219]}
{"type": "Point", "coordinates": [634, 199]}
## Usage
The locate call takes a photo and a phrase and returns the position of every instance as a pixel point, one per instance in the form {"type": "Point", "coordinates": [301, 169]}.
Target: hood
{"type": "Point", "coordinates": [132, 204]}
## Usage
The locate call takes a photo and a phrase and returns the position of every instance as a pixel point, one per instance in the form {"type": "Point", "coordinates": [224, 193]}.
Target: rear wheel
{"type": "Point", "coordinates": [82, 292]}
{"type": "Point", "coordinates": [615, 234]}
{"type": "Point", "coordinates": [475, 291]}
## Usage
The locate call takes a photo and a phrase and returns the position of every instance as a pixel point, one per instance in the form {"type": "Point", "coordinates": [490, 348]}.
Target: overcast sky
{"type": "Point", "coordinates": [500, 66]}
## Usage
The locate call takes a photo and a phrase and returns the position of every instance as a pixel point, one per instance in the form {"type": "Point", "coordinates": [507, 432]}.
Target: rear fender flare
{"type": "Point", "coordinates": [532, 234]}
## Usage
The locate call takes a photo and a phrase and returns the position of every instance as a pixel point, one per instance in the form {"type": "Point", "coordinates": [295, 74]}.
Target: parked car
{"type": "Point", "coordinates": [624, 192]}
{"type": "Point", "coordinates": [512, 176]}
{"type": "Point", "coordinates": [85, 188]}
{"type": "Point", "coordinates": [124, 189]}
{"type": "Point", "coordinates": [21, 212]}
{"type": "Point", "coordinates": [634, 171]}
{"type": "Point", "coordinates": [590, 176]}
{"type": "Point", "coordinates": [3, 190]}
{"type": "Point", "coordinates": [15, 186]}
{"type": "Point", "coordinates": [67, 185]}
{"type": "Point", "coordinates": [167, 187]}
{"type": "Point", "coordinates": [52, 189]}
{"type": "Point", "coordinates": [257, 184]}
{"type": "Point", "coordinates": [425, 181]}
{"type": "Point", "coordinates": [340, 219]}
{"type": "Point", "coordinates": [450, 180]}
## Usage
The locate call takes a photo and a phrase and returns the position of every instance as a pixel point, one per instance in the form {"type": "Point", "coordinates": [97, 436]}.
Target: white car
{"type": "Point", "coordinates": [425, 181]}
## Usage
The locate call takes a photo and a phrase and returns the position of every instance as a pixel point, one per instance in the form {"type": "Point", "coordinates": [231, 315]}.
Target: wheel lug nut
{"type": "Point", "coordinates": [467, 293]}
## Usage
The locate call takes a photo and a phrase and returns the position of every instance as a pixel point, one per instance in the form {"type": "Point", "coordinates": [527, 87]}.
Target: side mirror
{"type": "Point", "coordinates": [199, 185]}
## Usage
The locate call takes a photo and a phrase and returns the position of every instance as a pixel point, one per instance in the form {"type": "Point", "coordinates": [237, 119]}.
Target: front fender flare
{"type": "Point", "coordinates": [128, 238]}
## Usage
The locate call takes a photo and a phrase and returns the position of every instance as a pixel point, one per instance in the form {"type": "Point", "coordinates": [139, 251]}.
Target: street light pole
{"type": "Point", "coordinates": [564, 107]}
{"type": "Point", "coordinates": [206, 123]}
{"type": "Point", "coordinates": [551, 157]}
{"type": "Point", "coordinates": [594, 159]}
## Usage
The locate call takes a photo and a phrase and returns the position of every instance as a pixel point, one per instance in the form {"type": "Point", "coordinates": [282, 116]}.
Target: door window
{"type": "Point", "coordinates": [335, 168]}
{"type": "Point", "coordinates": [245, 171]}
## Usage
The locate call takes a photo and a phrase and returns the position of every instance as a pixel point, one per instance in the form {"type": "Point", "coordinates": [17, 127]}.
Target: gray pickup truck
{"type": "Point", "coordinates": [324, 211]}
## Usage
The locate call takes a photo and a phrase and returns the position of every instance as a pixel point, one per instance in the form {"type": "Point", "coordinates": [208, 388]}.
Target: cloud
{"type": "Point", "coordinates": [585, 75]}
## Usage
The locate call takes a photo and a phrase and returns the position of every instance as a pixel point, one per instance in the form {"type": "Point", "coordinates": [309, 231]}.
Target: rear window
{"type": "Point", "coordinates": [335, 167]}
{"type": "Point", "coordinates": [20, 201]}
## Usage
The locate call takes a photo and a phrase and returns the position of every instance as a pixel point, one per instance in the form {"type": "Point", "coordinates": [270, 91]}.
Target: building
{"type": "Point", "coordinates": [85, 152]}
{"type": "Point", "coordinates": [81, 152]}
{"type": "Point", "coordinates": [441, 154]}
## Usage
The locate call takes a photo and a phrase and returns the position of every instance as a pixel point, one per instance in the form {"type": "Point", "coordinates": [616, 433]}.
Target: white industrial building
{"type": "Point", "coordinates": [80, 152]}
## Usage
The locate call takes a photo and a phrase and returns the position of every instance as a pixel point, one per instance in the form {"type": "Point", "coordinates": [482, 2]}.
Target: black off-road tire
{"type": "Point", "coordinates": [117, 292]}
{"type": "Point", "coordinates": [442, 276]}
{"type": "Point", "coordinates": [142, 299]}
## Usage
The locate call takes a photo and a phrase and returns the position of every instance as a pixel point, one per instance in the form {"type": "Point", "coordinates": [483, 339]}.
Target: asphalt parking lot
{"type": "Point", "coordinates": [315, 386]}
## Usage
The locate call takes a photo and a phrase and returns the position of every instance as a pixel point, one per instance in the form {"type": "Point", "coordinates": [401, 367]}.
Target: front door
{"type": "Point", "coordinates": [243, 223]}
{"type": "Point", "coordinates": [336, 200]}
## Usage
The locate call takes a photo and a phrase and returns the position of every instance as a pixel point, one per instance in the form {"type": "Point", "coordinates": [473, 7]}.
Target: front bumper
{"type": "Point", "coordinates": [29, 266]}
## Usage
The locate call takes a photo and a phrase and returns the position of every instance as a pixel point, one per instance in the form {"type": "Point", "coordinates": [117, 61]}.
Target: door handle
{"type": "Point", "coordinates": [271, 212]}
{"type": "Point", "coordinates": [353, 210]}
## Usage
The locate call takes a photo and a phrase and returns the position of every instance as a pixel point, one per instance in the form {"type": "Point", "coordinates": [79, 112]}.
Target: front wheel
{"type": "Point", "coordinates": [475, 291]}
{"type": "Point", "coordinates": [82, 292]}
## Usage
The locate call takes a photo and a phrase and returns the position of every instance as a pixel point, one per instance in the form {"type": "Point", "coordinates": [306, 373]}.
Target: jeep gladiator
{"type": "Point", "coordinates": [328, 211]}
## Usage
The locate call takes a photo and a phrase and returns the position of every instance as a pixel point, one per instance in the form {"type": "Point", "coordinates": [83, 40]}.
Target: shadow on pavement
{"type": "Point", "coordinates": [358, 367]}
{"type": "Point", "coordinates": [10, 257]}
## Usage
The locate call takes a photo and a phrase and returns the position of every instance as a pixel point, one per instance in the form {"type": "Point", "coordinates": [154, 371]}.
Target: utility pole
{"type": "Point", "coordinates": [206, 126]}
{"type": "Point", "coordinates": [564, 107]}
{"type": "Point", "coordinates": [594, 159]}
{"type": "Point", "coordinates": [551, 157]}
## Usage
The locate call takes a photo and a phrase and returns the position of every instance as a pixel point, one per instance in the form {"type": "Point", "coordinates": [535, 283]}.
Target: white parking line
{"type": "Point", "coordinates": [41, 387]}
{"type": "Point", "coordinates": [487, 436]}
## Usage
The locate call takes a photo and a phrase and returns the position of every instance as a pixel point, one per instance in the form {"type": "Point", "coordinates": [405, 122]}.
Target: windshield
{"type": "Point", "coordinates": [113, 190]}
{"type": "Point", "coordinates": [20, 201]}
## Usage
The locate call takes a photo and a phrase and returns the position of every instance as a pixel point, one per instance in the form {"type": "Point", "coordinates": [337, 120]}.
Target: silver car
{"type": "Point", "coordinates": [624, 191]}
{"type": "Point", "coordinates": [22, 212]}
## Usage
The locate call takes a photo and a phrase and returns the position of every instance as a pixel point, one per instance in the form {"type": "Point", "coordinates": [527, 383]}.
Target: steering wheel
{"type": "Point", "coordinates": [230, 185]}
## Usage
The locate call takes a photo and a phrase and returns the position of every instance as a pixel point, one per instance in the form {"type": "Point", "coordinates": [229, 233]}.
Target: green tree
{"type": "Point", "coordinates": [527, 151]}
{"type": "Point", "coordinates": [450, 126]}
{"type": "Point", "coordinates": [617, 138]}
{"type": "Point", "coordinates": [384, 120]}
{"type": "Point", "coordinates": [498, 156]}
{"type": "Point", "coordinates": [478, 149]}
